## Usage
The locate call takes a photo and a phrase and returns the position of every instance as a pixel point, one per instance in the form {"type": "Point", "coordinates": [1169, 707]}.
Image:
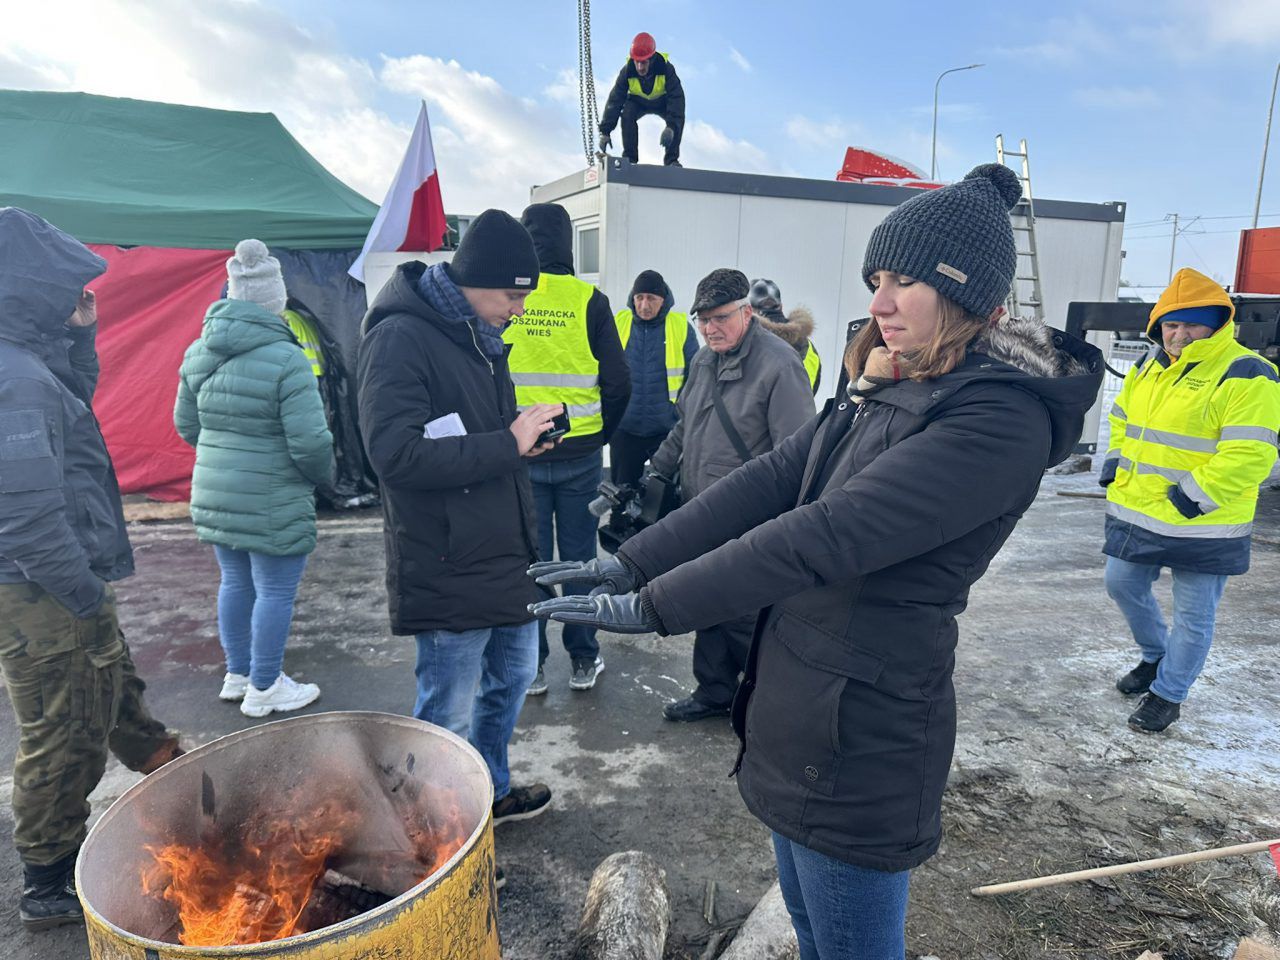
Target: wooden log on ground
{"type": "Point", "coordinates": [767, 933]}
{"type": "Point", "coordinates": [627, 912]}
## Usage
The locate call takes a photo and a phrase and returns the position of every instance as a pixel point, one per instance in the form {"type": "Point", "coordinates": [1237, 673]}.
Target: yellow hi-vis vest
{"type": "Point", "coordinates": [1205, 421]}
{"type": "Point", "coordinates": [659, 85]}
{"type": "Point", "coordinates": [677, 334]}
{"type": "Point", "coordinates": [812, 365]}
{"type": "Point", "coordinates": [307, 338]}
{"type": "Point", "coordinates": [551, 359]}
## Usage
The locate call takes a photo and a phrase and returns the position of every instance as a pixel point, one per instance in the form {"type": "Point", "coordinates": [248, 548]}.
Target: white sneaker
{"type": "Point", "coordinates": [283, 695]}
{"type": "Point", "coordinates": [234, 686]}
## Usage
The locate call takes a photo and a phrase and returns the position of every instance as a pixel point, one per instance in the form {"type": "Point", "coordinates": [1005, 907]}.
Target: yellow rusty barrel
{"type": "Point", "coordinates": [402, 773]}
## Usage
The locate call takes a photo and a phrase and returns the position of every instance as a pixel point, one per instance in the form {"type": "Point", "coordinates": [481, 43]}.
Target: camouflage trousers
{"type": "Point", "coordinates": [75, 695]}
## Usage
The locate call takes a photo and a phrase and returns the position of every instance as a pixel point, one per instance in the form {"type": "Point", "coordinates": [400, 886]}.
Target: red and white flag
{"type": "Point", "coordinates": [412, 215]}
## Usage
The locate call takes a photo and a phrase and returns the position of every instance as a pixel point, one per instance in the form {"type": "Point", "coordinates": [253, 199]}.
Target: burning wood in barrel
{"type": "Point", "coordinates": [272, 875]}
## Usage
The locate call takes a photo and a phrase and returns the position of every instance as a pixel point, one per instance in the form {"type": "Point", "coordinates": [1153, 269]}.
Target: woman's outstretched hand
{"type": "Point", "coordinates": [617, 614]}
{"type": "Point", "coordinates": [609, 575]}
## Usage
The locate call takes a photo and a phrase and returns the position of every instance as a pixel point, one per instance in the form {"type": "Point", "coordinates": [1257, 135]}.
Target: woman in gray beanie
{"type": "Point", "coordinates": [249, 403]}
{"type": "Point", "coordinates": [861, 536]}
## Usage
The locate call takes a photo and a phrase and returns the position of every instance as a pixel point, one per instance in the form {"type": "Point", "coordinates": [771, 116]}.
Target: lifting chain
{"type": "Point", "coordinates": [587, 84]}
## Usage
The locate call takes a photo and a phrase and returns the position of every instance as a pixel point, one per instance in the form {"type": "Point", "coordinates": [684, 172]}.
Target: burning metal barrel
{"type": "Point", "coordinates": [340, 835]}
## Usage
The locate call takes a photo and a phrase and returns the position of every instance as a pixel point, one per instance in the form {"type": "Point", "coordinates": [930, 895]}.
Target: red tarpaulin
{"type": "Point", "coordinates": [151, 302]}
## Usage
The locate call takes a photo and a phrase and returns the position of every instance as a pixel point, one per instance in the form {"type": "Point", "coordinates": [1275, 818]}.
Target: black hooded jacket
{"type": "Point", "coordinates": [552, 232]}
{"type": "Point", "coordinates": [862, 534]}
{"type": "Point", "coordinates": [61, 524]}
{"type": "Point", "coordinates": [458, 511]}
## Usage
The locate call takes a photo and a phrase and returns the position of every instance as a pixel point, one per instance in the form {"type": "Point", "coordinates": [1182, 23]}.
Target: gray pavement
{"type": "Point", "coordinates": [1047, 775]}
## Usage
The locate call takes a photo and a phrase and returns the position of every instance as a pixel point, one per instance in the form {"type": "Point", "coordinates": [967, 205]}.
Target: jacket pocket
{"type": "Point", "coordinates": [794, 720]}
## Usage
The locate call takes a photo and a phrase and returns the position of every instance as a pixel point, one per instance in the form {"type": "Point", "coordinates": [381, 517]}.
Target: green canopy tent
{"type": "Point", "coordinates": [164, 192]}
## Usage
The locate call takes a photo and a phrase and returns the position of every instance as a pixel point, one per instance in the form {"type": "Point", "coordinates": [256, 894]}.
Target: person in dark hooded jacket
{"type": "Point", "coordinates": [67, 669]}
{"type": "Point", "coordinates": [659, 345]}
{"type": "Point", "coordinates": [861, 535]}
{"type": "Point", "coordinates": [565, 349]}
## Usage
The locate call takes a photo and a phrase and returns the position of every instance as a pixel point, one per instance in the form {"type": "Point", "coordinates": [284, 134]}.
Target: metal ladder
{"type": "Point", "coordinates": [1028, 266]}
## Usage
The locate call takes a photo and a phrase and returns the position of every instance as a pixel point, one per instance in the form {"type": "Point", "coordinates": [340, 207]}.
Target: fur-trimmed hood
{"type": "Point", "coordinates": [796, 328]}
{"type": "Point", "coordinates": [1062, 371]}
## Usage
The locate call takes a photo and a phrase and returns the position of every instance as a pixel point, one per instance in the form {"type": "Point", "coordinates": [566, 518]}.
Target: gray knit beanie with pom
{"type": "Point", "coordinates": [254, 275]}
{"type": "Point", "coordinates": [957, 239]}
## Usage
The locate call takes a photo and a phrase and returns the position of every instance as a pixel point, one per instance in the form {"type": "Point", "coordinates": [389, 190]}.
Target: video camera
{"type": "Point", "coordinates": [630, 509]}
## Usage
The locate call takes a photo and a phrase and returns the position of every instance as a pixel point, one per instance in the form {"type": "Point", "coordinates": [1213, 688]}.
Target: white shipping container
{"type": "Point", "coordinates": [808, 236]}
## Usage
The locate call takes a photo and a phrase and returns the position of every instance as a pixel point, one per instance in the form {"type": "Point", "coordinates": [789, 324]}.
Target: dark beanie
{"type": "Point", "coordinates": [957, 239]}
{"type": "Point", "coordinates": [649, 281]}
{"type": "Point", "coordinates": [496, 253]}
{"type": "Point", "coordinates": [720, 287]}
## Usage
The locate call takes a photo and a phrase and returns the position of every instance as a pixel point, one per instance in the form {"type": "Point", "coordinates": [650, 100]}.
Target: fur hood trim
{"type": "Point", "coordinates": [1028, 345]}
{"type": "Point", "coordinates": [796, 330]}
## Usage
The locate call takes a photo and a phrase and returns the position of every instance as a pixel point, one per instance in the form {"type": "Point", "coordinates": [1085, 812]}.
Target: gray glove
{"type": "Point", "coordinates": [610, 575]}
{"type": "Point", "coordinates": [669, 134]}
{"type": "Point", "coordinates": [625, 614]}
{"type": "Point", "coordinates": [605, 141]}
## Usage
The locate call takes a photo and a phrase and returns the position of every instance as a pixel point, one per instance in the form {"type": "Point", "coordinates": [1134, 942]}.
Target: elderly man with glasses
{"type": "Point", "coordinates": [747, 391]}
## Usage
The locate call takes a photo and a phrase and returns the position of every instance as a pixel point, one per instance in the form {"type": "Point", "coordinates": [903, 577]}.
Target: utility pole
{"type": "Point", "coordinates": [1173, 244]}
{"type": "Point", "coordinates": [933, 150]}
{"type": "Point", "coordinates": [1266, 139]}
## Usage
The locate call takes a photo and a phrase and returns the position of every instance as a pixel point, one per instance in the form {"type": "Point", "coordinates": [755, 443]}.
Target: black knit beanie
{"type": "Point", "coordinates": [496, 253]}
{"type": "Point", "coordinates": [649, 281]}
{"type": "Point", "coordinates": [957, 239]}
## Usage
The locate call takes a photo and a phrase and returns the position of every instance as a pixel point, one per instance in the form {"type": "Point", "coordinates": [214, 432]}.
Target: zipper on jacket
{"type": "Point", "coordinates": [476, 344]}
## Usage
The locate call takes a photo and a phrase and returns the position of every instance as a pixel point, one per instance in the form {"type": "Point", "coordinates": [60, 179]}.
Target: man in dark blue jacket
{"type": "Point", "coordinates": [659, 344]}
{"type": "Point", "coordinates": [66, 666]}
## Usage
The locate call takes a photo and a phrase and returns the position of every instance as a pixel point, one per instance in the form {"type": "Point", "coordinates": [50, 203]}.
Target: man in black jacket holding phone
{"type": "Point", "coordinates": [438, 414]}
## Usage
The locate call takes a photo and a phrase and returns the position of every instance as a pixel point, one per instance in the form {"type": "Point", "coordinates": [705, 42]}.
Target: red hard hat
{"type": "Point", "coordinates": [643, 47]}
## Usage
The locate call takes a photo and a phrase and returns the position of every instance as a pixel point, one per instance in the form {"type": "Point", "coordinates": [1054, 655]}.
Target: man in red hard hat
{"type": "Point", "coordinates": [646, 84]}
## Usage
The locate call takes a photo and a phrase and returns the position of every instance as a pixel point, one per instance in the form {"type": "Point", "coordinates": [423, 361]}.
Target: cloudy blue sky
{"type": "Point", "coordinates": [1160, 104]}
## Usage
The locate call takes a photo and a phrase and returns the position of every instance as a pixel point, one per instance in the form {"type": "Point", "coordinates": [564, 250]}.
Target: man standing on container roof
{"type": "Point", "coordinates": [646, 84]}
{"type": "Point", "coordinates": [1193, 434]}
{"type": "Point", "coordinates": [565, 349]}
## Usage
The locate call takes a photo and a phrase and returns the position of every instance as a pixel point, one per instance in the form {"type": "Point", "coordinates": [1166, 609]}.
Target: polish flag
{"type": "Point", "coordinates": [412, 215]}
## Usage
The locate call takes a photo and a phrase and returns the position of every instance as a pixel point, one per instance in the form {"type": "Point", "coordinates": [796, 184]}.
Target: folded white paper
{"type": "Point", "coordinates": [450, 425]}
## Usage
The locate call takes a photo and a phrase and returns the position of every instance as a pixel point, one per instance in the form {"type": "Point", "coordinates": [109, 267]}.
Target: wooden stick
{"type": "Point", "coordinates": [1158, 864]}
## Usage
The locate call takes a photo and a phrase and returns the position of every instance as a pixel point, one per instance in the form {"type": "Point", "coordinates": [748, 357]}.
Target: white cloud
{"type": "Point", "coordinates": [1191, 29]}
{"type": "Point", "coordinates": [1073, 40]}
{"type": "Point", "coordinates": [743, 63]}
{"type": "Point", "coordinates": [821, 133]}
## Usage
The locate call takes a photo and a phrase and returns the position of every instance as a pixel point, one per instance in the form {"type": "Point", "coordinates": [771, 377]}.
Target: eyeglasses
{"type": "Point", "coordinates": [719, 319]}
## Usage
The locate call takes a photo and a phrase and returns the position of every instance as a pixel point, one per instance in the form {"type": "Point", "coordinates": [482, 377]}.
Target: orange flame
{"type": "Point", "coordinates": [254, 887]}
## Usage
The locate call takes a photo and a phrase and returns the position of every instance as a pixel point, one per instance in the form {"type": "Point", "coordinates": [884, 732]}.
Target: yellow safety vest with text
{"type": "Point", "coordinates": [1205, 421]}
{"type": "Point", "coordinates": [677, 333]}
{"type": "Point", "coordinates": [659, 85]}
{"type": "Point", "coordinates": [307, 338]}
{"type": "Point", "coordinates": [812, 366]}
{"type": "Point", "coordinates": [551, 359]}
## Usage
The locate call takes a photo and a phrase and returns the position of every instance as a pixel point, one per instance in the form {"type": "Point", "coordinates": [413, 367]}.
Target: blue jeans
{"type": "Point", "coordinates": [1182, 650]}
{"type": "Point", "coordinates": [472, 682]}
{"type": "Point", "coordinates": [255, 609]}
{"type": "Point", "coordinates": [839, 910]}
{"type": "Point", "coordinates": [561, 492]}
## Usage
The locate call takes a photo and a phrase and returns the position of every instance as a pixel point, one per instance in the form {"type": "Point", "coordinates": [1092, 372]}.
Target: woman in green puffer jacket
{"type": "Point", "coordinates": [250, 405]}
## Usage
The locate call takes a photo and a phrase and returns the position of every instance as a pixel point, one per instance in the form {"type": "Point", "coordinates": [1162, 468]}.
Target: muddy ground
{"type": "Point", "coordinates": [1047, 776]}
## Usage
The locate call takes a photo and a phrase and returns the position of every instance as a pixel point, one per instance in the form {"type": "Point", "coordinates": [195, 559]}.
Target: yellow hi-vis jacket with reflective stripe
{"type": "Point", "coordinates": [1205, 424]}
{"type": "Point", "coordinates": [307, 338]}
{"type": "Point", "coordinates": [812, 366]}
{"type": "Point", "coordinates": [677, 332]}
{"type": "Point", "coordinates": [551, 359]}
{"type": "Point", "coordinates": [659, 85]}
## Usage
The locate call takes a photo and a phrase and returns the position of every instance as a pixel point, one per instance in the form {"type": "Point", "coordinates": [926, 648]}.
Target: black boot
{"type": "Point", "coordinates": [1139, 679]}
{"type": "Point", "coordinates": [1154, 714]}
{"type": "Point", "coordinates": [690, 709]}
{"type": "Point", "coordinates": [49, 896]}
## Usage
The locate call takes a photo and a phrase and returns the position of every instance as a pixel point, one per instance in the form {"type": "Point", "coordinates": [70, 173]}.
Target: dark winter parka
{"type": "Point", "coordinates": [864, 534]}
{"type": "Point", "coordinates": [61, 524]}
{"type": "Point", "coordinates": [458, 511]}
